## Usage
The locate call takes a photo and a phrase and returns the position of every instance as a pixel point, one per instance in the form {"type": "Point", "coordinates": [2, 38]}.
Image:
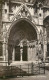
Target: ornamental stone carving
{"type": "Point", "coordinates": [23, 13]}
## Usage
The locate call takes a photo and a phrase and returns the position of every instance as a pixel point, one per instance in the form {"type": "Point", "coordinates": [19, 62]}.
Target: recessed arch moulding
{"type": "Point", "coordinates": [23, 25]}
{"type": "Point", "coordinates": [23, 28]}
{"type": "Point", "coordinates": [24, 14]}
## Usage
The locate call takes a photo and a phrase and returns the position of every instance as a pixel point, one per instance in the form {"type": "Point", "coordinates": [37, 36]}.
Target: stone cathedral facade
{"type": "Point", "coordinates": [24, 32]}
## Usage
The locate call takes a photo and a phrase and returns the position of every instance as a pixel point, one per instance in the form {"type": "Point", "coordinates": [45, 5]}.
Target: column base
{"type": "Point", "coordinates": [3, 63]}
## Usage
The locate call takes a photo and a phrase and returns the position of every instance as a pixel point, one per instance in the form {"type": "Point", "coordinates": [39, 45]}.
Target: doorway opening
{"type": "Point", "coordinates": [22, 30]}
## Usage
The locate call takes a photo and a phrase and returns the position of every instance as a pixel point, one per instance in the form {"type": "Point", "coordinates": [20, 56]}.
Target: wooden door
{"type": "Point", "coordinates": [17, 53]}
{"type": "Point", "coordinates": [24, 55]}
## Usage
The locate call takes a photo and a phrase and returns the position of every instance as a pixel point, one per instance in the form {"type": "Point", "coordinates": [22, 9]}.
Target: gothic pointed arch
{"type": "Point", "coordinates": [46, 25]}
{"type": "Point", "coordinates": [27, 20]}
{"type": "Point", "coordinates": [23, 13]}
{"type": "Point", "coordinates": [21, 29]}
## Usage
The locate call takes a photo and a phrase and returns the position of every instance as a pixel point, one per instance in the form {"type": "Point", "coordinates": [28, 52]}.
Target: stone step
{"type": "Point", "coordinates": [23, 70]}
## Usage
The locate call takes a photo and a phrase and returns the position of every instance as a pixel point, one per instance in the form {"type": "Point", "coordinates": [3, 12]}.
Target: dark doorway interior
{"type": "Point", "coordinates": [48, 49]}
{"type": "Point", "coordinates": [23, 29]}
{"type": "Point", "coordinates": [24, 56]}
{"type": "Point", "coordinates": [17, 53]}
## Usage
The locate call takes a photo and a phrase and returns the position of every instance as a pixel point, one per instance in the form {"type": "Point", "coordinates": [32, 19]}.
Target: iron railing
{"type": "Point", "coordinates": [22, 70]}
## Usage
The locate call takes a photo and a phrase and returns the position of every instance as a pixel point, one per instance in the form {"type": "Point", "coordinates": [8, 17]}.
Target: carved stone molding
{"type": "Point", "coordinates": [23, 13]}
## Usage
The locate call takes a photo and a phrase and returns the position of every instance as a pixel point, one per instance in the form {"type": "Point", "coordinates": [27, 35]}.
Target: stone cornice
{"type": "Point", "coordinates": [6, 21]}
{"type": "Point", "coordinates": [45, 7]}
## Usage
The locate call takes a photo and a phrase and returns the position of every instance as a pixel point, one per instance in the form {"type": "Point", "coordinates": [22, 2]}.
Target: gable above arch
{"type": "Point", "coordinates": [23, 12]}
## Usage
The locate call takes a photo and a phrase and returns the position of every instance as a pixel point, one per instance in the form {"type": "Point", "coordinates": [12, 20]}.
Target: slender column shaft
{"type": "Point", "coordinates": [4, 50]}
{"type": "Point", "coordinates": [45, 51]}
{"type": "Point", "coordinates": [13, 54]}
{"type": "Point", "coordinates": [21, 51]}
{"type": "Point", "coordinates": [45, 43]}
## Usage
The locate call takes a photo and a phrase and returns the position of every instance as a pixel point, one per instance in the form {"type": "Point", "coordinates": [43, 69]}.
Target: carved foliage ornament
{"type": "Point", "coordinates": [23, 14]}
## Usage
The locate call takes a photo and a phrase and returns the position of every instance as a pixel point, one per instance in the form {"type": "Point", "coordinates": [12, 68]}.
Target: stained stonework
{"type": "Point", "coordinates": [23, 21]}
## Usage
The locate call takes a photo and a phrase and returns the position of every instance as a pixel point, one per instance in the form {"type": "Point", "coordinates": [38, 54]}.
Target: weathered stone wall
{"type": "Point", "coordinates": [11, 12]}
{"type": "Point", "coordinates": [0, 17]}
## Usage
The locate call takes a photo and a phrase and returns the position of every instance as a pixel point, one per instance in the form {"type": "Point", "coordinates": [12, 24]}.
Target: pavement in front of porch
{"type": "Point", "coordinates": [37, 77]}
